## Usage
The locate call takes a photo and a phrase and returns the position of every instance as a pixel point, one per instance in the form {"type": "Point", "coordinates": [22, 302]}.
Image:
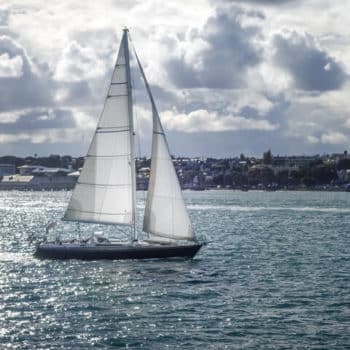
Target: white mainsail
{"type": "Point", "coordinates": [105, 191]}
{"type": "Point", "coordinates": [165, 211]}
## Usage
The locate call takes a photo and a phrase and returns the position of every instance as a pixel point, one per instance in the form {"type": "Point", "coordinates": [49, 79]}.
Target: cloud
{"type": "Point", "coordinates": [21, 86]}
{"type": "Point", "coordinates": [334, 138]}
{"type": "Point", "coordinates": [311, 67]}
{"type": "Point", "coordinates": [88, 55]}
{"type": "Point", "coordinates": [312, 139]}
{"type": "Point", "coordinates": [217, 55]}
{"type": "Point", "coordinates": [4, 14]}
{"type": "Point", "coordinates": [205, 121]}
{"type": "Point", "coordinates": [10, 67]}
{"type": "Point", "coordinates": [320, 120]}
{"type": "Point", "coordinates": [32, 138]}
{"type": "Point", "coordinates": [37, 119]}
{"type": "Point", "coordinates": [45, 126]}
{"type": "Point", "coordinates": [79, 63]}
{"type": "Point", "coordinates": [265, 2]}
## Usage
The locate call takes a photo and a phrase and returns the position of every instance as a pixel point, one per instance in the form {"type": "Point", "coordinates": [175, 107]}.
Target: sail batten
{"type": "Point", "coordinates": [104, 192]}
{"type": "Point", "coordinates": [108, 130]}
{"type": "Point", "coordinates": [171, 237]}
{"type": "Point", "coordinates": [99, 222]}
{"type": "Point", "coordinates": [101, 185]}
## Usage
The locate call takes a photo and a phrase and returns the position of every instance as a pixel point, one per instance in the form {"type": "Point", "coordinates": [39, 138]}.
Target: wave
{"type": "Point", "coordinates": [254, 208]}
{"type": "Point", "coordinates": [16, 257]}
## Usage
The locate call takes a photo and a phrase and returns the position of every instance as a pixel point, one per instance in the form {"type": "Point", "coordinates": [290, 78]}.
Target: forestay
{"type": "Point", "coordinates": [104, 191]}
{"type": "Point", "coordinates": [165, 211]}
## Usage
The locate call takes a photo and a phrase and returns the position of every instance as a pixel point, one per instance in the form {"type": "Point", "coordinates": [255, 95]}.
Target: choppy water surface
{"type": "Point", "coordinates": [275, 275]}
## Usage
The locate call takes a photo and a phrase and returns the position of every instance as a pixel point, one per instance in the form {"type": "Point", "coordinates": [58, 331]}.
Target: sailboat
{"type": "Point", "coordinates": [105, 192]}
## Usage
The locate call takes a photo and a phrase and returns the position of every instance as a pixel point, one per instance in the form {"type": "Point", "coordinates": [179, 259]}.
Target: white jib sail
{"type": "Point", "coordinates": [104, 191]}
{"type": "Point", "coordinates": [165, 211]}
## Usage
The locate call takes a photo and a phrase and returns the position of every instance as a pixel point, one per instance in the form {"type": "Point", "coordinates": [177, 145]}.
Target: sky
{"type": "Point", "coordinates": [228, 77]}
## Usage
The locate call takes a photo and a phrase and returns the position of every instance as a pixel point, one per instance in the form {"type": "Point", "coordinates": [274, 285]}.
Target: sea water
{"type": "Point", "coordinates": [274, 275]}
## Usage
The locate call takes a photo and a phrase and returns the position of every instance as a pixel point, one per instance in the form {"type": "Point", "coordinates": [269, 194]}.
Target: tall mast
{"type": "Point", "coordinates": [131, 120]}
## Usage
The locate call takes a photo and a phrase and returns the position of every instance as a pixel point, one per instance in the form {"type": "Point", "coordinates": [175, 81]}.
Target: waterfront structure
{"type": "Point", "coordinates": [7, 169]}
{"type": "Point", "coordinates": [39, 178]}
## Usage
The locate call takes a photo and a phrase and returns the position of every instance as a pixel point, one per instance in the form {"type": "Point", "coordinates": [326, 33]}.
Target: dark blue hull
{"type": "Point", "coordinates": [114, 251]}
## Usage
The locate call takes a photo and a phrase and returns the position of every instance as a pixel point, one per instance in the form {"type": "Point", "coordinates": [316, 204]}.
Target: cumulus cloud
{"type": "Point", "coordinates": [38, 119]}
{"type": "Point", "coordinates": [205, 121]}
{"type": "Point", "coordinates": [20, 137]}
{"type": "Point", "coordinates": [78, 63]}
{"type": "Point", "coordinates": [321, 126]}
{"type": "Point", "coordinates": [40, 125]}
{"type": "Point", "coordinates": [311, 67]}
{"type": "Point", "coordinates": [265, 2]}
{"type": "Point", "coordinates": [217, 55]}
{"type": "Point", "coordinates": [312, 139]}
{"type": "Point", "coordinates": [334, 138]}
{"type": "Point", "coordinates": [4, 14]}
{"type": "Point", "coordinates": [21, 87]}
{"type": "Point", "coordinates": [38, 108]}
{"type": "Point", "coordinates": [50, 137]}
{"type": "Point", "coordinates": [10, 67]}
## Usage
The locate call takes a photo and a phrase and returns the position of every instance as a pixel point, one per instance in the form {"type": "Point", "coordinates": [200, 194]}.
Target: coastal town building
{"type": "Point", "coordinates": [34, 177]}
{"type": "Point", "coordinates": [194, 173]}
{"type": "Point", "coordinates": [7, 169]}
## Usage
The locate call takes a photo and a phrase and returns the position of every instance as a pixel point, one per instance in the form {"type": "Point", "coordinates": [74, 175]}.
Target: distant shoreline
{"type": "Point", "coordinates": [56, 188]}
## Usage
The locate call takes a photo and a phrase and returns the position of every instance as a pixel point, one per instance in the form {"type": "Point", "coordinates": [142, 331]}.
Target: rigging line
{"type": "Point", "coordinates": [138, 127]}
{"type": "Point", "coordinates": [154, 108]}
{"type": "Point", "coordinates": [132, 136]}
{"type": "Point", "coordinates": [155, 113]}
